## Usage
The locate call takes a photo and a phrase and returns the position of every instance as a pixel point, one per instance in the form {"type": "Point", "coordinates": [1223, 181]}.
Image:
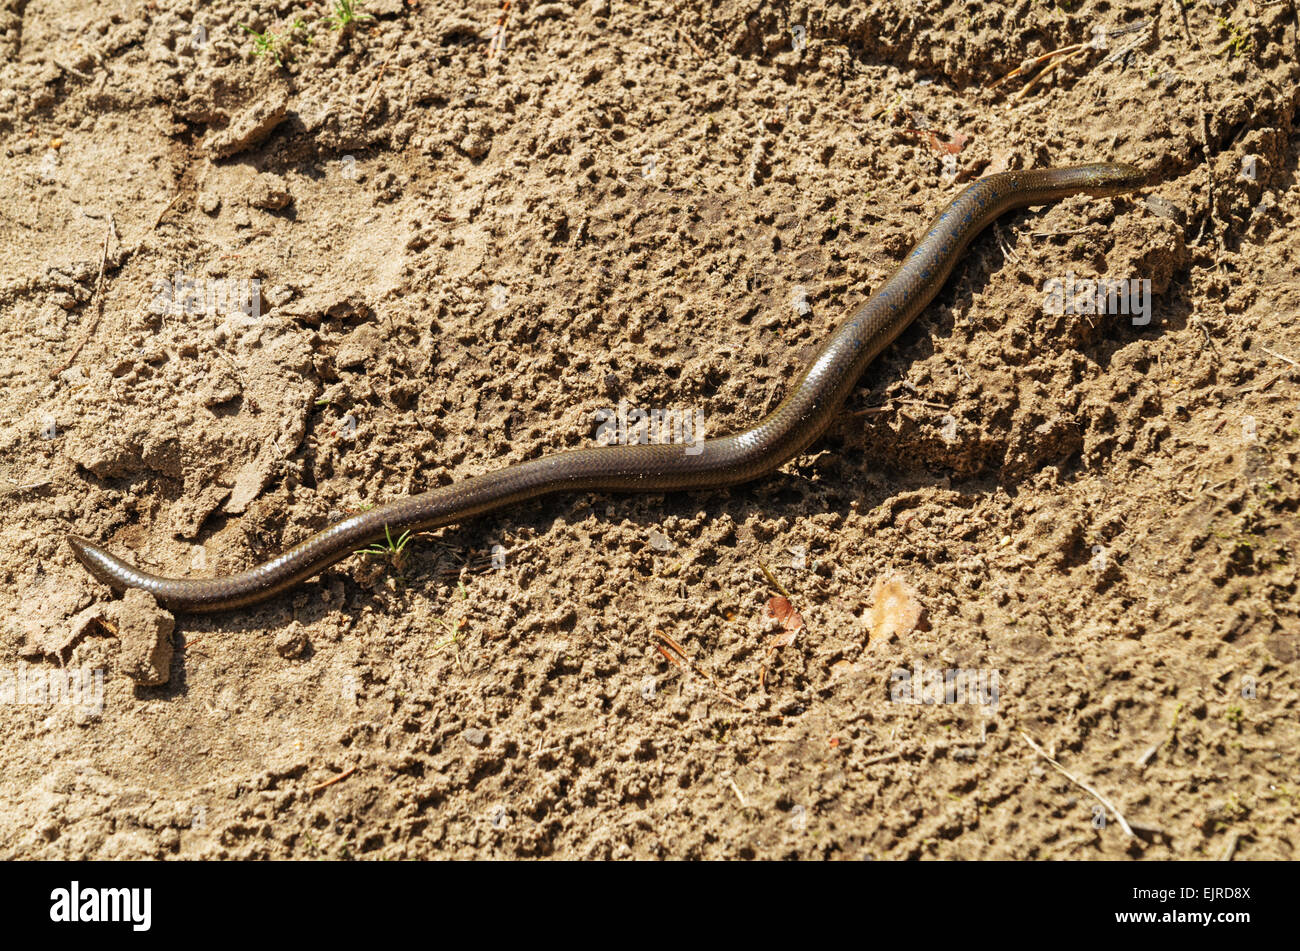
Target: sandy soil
{"type": "Point", "coordinates": [465, 255]}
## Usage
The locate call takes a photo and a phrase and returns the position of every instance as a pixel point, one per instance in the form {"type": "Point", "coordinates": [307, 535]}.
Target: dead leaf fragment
{"type": "Point", "coordinates": [896, 608]}
{"type": "Point", "coordinates": [791, 622]}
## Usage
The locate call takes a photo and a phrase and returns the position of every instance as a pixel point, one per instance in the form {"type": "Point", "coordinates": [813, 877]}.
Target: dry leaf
{"type": "Point", "coordinates": [950, 147]}
{"type": "Point", "coordinates": [896, 608]}
{"type": "Point", "coordinates": [791, 621]}
{"type": "Point", "coordinates": [791, 624]}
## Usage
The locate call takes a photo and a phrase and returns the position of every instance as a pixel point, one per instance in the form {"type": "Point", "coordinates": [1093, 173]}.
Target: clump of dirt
{"type": "Point", "coordinates": [264, 272]}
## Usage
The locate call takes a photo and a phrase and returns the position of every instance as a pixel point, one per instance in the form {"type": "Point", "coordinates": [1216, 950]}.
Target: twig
{"type": "Point", "coordinates": [927, 404]}
{"type": "Point", "coordinates": [498, 41]}
{"type": "Point", "coordinates": [672, 643]}
{"type": "Point", "coordinates": [1029, 63]}
{"type": "Point", "coordinates": [330, 782]}
{"type": "Point", "coordinates": [68, 69]}
{"type": "Point", "coordinates": [373, 92]}
{"type": "Point", "coordinates": [691, 43]}
{"type": "Point", "coordinates": [1067, 51]}
{"type": "Point", "coordinates": [1150, 832]}
{"type": "Point", "coordinates": [1037, 78]}
{"type": "Point", "coordinates": [1145, 758]}
{"type": "Point", "coordinates": [1209, 341]}
{"type": "Point", "coordinates": [1124, 51]}
{"type": "Point", "coordinates": [739, 795]}
{"type": "Point", "coordinates": [681, 651]}
{"type": "Point", "coordinates": [771, 579]}
{"type": "Point", "coordinates": [1078, 782]}
{"type": "Point", "coordinates": [1230, 847]}
{"type": "Point", "coordinates": [29, 485]}
{"type": "Point", "coordinates": [163, 214]}
{"type": "Point", "coordinates": [883, 758]}
{"type": "Point", "coordinates": [103, 260]}
{"type": "Point", "coordinates": [1131, 28]}
{"type": "Point", "coordinates": [670, 656]}
{"type": "Point", "coordinates": [1274, 353]}
{"type": "Point", "coordinates": [1006, 248]}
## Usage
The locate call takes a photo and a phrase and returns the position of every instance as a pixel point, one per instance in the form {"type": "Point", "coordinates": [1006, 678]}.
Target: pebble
{"type": "Point", "coordinates": [291, 642]}
{"type": "Point", "coordinates": [475, 145]}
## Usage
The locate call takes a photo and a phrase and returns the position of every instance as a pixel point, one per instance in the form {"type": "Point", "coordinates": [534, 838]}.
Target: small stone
{"type": "Point", "coordinates": [475, 145]}
{"type": "Point", "coordinates": [210, 203]}
{"type": "Point", "coordinates": [144, 631]}
{"type": "Point", "coordinates": [1165, 209]}
{"type": "Point", "coordinates": [292, 641]}
{"type": "Point", "coordinates": [475, 737]}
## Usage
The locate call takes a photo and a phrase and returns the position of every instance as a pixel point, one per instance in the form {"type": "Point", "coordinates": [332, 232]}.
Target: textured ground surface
{"type": "Point", "coordinates": [465, 256]}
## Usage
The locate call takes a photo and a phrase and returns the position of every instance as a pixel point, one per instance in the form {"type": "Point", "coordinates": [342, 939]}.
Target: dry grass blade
{"type": "Point", "coordinates": [1030, 63]}
{"type": "Point", "coordinates": [1079, 782]}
